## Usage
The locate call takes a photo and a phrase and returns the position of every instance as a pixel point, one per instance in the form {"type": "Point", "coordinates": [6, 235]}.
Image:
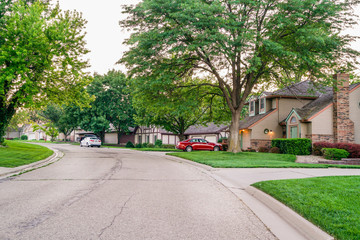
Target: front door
{"type": "Point", "coordinates": [293, 132]}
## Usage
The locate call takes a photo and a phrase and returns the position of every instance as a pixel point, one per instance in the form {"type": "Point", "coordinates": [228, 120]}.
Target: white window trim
{"type": "Point", "coordinates": [252, 113]}
{"type": "Point", "coordinates": [263, 110]}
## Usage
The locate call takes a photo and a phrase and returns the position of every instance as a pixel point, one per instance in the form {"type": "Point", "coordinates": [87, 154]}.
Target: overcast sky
{"type": "Point", "coordinates": [104, 35]}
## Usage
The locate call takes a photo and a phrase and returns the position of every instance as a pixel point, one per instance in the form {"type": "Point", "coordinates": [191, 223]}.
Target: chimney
{"type": "Point", "coordinates": [343, 127]}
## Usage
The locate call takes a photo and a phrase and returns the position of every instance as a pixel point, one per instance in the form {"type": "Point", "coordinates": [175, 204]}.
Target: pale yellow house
{"type": "Point", "coordinates": [303, 111]}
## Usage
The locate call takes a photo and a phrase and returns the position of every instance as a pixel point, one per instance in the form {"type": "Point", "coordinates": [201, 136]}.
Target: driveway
{"type": "Point", "coordinates": [122, 194]}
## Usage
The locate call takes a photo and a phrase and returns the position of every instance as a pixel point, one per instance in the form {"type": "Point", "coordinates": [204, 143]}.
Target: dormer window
{"type": "Point", "coordinates": [262, 105]}
{"type": "Point", "coordinates": [252, 107]}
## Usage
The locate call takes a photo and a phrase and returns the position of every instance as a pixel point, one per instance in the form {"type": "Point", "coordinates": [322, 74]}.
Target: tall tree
{"type": "Point", "coordinates": [176, 109]}
{"type": "Point", "coordinates": [41, 58]}
{"type": "Point", "coordinates": [239, 44]}
{"type": "Point", "coordinates": [112, 105]}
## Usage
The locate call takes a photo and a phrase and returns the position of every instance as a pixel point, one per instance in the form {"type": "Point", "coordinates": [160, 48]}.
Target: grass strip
{"type": "Point", "coordinates": [332, 203]}
{"type": "Point", "coordinates": [250, 160]}
{"type": "Point", "coordinates": [18, 154]}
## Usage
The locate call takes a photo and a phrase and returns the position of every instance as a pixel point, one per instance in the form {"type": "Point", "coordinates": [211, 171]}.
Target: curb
{"type": "Point", "coordinates": [305, 227]}
{"type": "Point", "coordinates": [19, 170]}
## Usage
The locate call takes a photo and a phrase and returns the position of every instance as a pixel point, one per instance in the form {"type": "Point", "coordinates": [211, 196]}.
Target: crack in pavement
{"type": "Point", "coordinates": [114, 218]}
{"type": "Point", "coordinates": [47, 214]}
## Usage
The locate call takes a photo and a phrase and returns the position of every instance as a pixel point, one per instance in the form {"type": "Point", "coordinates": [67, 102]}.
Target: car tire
{"type": "Point", "coordinates": [188, 149]}
{"type": "Point", "coordinates": [98, 146]}
{"type": "Point", "coordinates": [216, 148]}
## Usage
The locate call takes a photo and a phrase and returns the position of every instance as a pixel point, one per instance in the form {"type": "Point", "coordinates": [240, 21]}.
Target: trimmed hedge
{"type": "Point", "coordinates": [24, 137]}
{"type": "Point", "coordinates": [334, 153]}
{"type": "Point", "coordinates": [158, 143]}
{"type": "Point", "coordinates": [129, 144]}
{"type": "Point", "coordinates": [352, 148]}
{"type": "Point", "coordinates": [296, 146]}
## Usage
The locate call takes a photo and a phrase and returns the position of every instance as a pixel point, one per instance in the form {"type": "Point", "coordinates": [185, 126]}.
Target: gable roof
{"type": "Point", "coordinates": [250, 120]}
{"type": "Point", "coordinates": [305, 89]}
{"type": "Point", "coordinates": [319, 104]}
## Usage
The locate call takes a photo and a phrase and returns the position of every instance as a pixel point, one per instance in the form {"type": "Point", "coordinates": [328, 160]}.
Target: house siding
{"type": "Point", "coordinates": [355, 112]}
{"type": "Point", "coordinates": [323, 123]}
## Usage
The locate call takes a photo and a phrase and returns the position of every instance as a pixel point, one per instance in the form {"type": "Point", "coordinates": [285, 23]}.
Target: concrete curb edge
{"type": "Point", "coordinates": [21, 169]}
{"type": "Point", "coordinates": [305, 227]}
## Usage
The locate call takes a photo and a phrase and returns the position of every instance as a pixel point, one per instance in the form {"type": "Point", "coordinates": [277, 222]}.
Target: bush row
{"type": "Point", "coordinates": [158, 144]}
{"type": "Point", "coordinates": [296, 146]}
{"type": "Point", "coordinates": [352, 148]}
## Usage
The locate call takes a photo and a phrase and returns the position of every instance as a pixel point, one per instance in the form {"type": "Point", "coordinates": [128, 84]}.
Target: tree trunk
{"type": "Point", "coordinates": [102, 137]}
{"type": "Point", "coordinates": [234, 143]}
{"type": "Point", "coordinates": [5, 117]}
{"type": "Point", "coordinates": [119, 134]}
{"type": "Point", "coordinates": [181, 136]}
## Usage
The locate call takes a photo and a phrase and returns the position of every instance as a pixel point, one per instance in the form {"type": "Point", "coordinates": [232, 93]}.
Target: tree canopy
{"type": "Point", "coordinates": [238, 44]}
{"type": "Point", "coordinates": [41, 57]}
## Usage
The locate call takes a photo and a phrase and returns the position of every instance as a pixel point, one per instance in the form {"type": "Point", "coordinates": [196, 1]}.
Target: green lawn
{"type": "Point", "coordinates": [332, 203]}
{"type": "Point", "coordinates": [18, 153]}
{"type": "Point", "coordinates": [250, 160]}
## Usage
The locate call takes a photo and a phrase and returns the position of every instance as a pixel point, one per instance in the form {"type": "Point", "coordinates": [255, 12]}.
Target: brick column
{"type": "Point", "coordinates": [343, 126]}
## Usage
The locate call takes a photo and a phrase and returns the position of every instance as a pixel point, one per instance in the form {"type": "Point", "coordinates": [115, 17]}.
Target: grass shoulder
{"type": "Point", "coordinates": [20, 153]}
{"type": "Point", "coordinates": [329, 202]}
{"type": "Point", "coordinates": [250, 160]}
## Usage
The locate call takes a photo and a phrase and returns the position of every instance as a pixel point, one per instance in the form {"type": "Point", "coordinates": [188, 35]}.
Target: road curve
{"type": "Point", "coordinates": [108, 193]}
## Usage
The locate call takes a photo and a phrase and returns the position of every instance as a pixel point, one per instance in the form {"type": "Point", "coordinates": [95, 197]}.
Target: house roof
{"type": "Point", "coordinates": [301, 89]}
{"type": "Point", "coordinates": [200, 129]}
{"type": "Point", "coordinates": [250, 120]}
{"type": "Point", "coordinates": [318, 104]}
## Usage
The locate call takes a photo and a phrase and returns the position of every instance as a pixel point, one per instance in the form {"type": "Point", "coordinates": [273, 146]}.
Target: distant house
{"type": "Point", "coordinates": [301, 110]}
{"type": "Point", "coordinates": [210, 132]}
{"type": "Point", "coordinates": [26, 129]}
{"type": "Point", "coordinates": [110, 137]}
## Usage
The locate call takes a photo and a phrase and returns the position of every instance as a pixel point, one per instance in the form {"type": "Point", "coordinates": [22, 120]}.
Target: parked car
{"type": "Point", "coordinates": [90, 142]}
{"type": "Point", "coordinates": [198, 144]}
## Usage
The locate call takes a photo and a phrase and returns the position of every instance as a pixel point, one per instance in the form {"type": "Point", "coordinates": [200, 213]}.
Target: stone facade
{"type": "Point", "coordinates": [320, 137]}
{"type": "Point", "coordinates": [257, 143]}
{"type": "Point", "coordinates": [343, 126]}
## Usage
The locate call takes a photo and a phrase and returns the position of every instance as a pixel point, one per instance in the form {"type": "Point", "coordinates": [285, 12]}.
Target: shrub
{"type": "Point", "coordinates": [334, 153]}
{"type": "Point", "coordinates": [249, 150]}
{"type": "Point", "coordinates": [221, 139]}
{"type": "Point", "coordinates": [145, 145]}
{"type": "Point", "coordinates": [129, 144]}
{"type": "Point", "coordinates": [158, 143]}
{"type": "Point", "coordinates": [296, 146]}
{"type": "Point", "coordinates": [16, 139]}
{"type": "Point", "coordinates": [150, 145]}
{"type": "Point", "coordinates": [263, 149]}
{"type": "Point", "coordinates": [275, 150]}
{"type": "Point", "coordinates": [139, 145]}
{"type": "Point", "coordinates": [225, 146]}
{"type": "Point", "coordinates": [352, 148]}
{"type": "Point", "coordinates": [24, 137]}
{"type": "Point", "coordinates": [168, 146]}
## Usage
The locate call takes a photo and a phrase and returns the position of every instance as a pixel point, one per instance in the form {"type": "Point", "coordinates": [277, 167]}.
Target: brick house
{"type": "Point", "coordinates": [211, 132]}
{"type": "Point", "coordinates": [303, 111]}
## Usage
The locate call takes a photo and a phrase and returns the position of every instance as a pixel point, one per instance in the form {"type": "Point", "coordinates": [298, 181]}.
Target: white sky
{"type": "Point", "coordinates": [105, 37]}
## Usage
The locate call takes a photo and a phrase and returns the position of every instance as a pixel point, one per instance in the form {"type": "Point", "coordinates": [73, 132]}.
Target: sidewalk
{"type": "Point", "coordinates": [281, 220]}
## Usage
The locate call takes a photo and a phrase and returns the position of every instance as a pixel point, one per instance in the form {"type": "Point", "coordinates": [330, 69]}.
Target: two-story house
{"type": "Point", "coordinates": [304, 111]}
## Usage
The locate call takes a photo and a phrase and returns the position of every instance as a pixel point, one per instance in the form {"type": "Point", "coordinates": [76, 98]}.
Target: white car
{"type": "Point", "coordinates": [90, 142]}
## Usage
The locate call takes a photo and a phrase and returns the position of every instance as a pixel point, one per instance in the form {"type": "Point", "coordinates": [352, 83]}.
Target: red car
{"type": "Point", "coordinates": [198, 144]}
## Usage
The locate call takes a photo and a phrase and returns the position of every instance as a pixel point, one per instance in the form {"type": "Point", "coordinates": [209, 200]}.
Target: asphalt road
{"type": "Point", "coordinates": [104, 193]}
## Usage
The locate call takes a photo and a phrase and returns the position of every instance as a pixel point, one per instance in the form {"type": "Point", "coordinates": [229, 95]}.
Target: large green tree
{"type": "Point", "coordinates": [112, 105]}
{"type": "Point", "coordinates": [41, 57]}
{"type": "Point", "coordinates": [237, 43]}
{"type": "Point", "coordinates": [176, 109]}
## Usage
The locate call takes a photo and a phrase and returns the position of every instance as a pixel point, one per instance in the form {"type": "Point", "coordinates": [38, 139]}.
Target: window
{"type": "Point", "coordinates": [262, 105]}
{"type": "Point", "coordinates": [140, 139]}
{"type": "Point", "coordinates": [252, 108]}
{"type": "Point", "coordinates": [147, 138]}
{"type": "Point", "coordinates": [293, 120]}
{"type": "Point", "coordinates": [155, 138]}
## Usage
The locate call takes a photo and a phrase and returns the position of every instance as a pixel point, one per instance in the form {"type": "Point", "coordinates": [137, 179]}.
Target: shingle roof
{"type": "Point", "coordinates": [301, 89]}
{"type": "Point", "coordinates": [200, 129]}
{"type": "Point", "coordinates": [320, 103]}
{"type": "Point", "coordinates": [248, 121]}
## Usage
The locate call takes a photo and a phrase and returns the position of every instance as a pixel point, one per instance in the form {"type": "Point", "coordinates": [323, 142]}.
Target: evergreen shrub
{"type": "Point", "coordinates": [335, 153]}
{"type": "Point", "coordinates": [24, 137]}
{"type": "Point", "coordinates": [296, 146]}
{"type": "Point", "coordinates": [129, 144]}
